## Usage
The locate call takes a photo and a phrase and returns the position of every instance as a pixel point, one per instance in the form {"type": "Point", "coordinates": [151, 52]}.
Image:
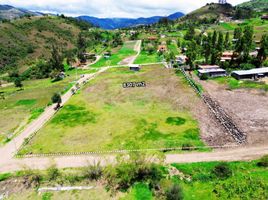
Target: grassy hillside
{"type": "Point", "coordinates": [24, 40]}
{"type": "Point", "coordinates": [210, 11]}
{"type": "Point", "coordinates": [259, 5]}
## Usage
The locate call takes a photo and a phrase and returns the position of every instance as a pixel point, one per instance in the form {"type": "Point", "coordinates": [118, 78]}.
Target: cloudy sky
{"type": "Point", "coordinates": [112, 8]}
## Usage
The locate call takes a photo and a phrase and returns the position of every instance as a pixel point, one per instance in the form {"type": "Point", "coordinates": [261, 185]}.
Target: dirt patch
{"type": "Point", "coordinates": [248, 108]}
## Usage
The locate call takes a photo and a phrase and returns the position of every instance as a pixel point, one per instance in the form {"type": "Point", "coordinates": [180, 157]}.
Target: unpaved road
{"type": "Point", "coordinates": [131, 59]}
{"type": "Point", "coordinates": [239, 154]}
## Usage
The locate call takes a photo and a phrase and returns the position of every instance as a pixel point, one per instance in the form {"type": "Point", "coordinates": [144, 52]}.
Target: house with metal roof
{"type": "Point", "coordinates": [212, 72]}
{"type": "Point", "coordinates": [250, 74]}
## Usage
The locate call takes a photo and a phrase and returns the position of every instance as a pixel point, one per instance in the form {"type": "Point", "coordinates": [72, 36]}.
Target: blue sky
{"type": "Point", "coordinates": [112, 8]}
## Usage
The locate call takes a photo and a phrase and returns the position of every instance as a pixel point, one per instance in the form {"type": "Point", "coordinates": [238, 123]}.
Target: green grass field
{"type": "Point", "coordinates": [232, 83]}
{"type": "Point", "coordinates": [246, 182]}
{"type": "Point", "coordinates": [144, 58]}
{"type": "Point", "coordinates": [126, 51]}
{"type": "Point", "coordinates": [105, 116]}
{"type": "Point", "coordinates": [22, 106]}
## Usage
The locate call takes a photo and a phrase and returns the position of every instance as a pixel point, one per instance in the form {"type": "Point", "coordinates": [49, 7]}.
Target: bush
{"type": "Point", "coordinates": [263, 162]}
{"type": "Point", "coordinates": [53, 173]}
{"type": "Point", "coordinates": [187, 147]}
{"type": "Point", "coordinates": [174, 193]}
{"type": "Point", "coordinates": [204, 77]}
{"type": "Point", "coordinates": [222, 171]}
{"type": "Point", "coordinates": [56, 98]}
{"type": "Point", "coordinates": [93, 172]}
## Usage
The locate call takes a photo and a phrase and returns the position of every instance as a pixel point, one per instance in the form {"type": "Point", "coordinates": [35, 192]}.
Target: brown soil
{"type": "Point", "coordinates": [248, 108]}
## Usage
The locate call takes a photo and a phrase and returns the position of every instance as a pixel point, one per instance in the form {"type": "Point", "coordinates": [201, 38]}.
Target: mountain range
{"type": "Point", "coordinates": [115, 23]}
{"type": "Point", "coordinates": [10, 12]}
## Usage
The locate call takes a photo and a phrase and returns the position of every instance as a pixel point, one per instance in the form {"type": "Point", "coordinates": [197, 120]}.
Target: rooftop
{"type": "Point", "coordinates": [208, 67]}
{"type": "Point", "coordinates": [203, 71]}
{"type": "Point", "coordinates": [262, 70]}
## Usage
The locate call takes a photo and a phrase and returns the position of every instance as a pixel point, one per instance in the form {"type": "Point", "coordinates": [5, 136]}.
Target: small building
{"type": "Point", "coordinates": [227, 56]}
{"type": "Point", "coordinates": [217, 72]}
{"type": "Point", "coordinates": [162, 48]}
{"type": "Point", "coordinates": [181, 60]}
{"type": "Point", "coordinates": [250, 74]}
{"type": "Point", "coordinates": [152, 38]}
{"type": "Point", "coordinates": [89, 56]}
{"type": "Point", "coordinates": [107, 55]}
{"type": "Point", "coordinates": [134, 67]}
{"type": "Point", "coordinates": [264, 17]}
{"type": "Point", "coordinates": [206, 67]}
{"type": "Point", "coordinates": [254, 53]}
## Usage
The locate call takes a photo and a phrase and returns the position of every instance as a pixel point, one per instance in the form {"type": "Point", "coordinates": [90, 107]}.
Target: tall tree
{"type": "Point", "coordinates": [56, 59]}
{"type": "Point", "coordinates": [247, 41]}
{"type": "Point", "coordinates": [81, 46]}
{"type": "Point", "coordinates": [238, 33]}
{"type": "Point", "coordinates": [191, 54]}
{"type": "Point", "coordinates": [220, 42]}
{"type": "Point", "coordinates": [263, 52]}
{"type": "Point", "coordinates": [227, 41]}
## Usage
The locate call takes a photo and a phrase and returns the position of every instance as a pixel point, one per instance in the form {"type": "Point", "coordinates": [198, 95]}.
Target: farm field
{"type": "Point", "coordinates": [106, 116]}
{"type": "Point", "coordinates": [126, 51]}
{"type": "Point", "coordinates": [22, 106]}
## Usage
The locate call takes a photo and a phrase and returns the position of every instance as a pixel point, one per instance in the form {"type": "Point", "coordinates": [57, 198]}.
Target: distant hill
{"type": "Point", "coordinates": [24, 40]}
{"type": "Point", "coordinates": [211, 11]}
{"type": "Point", "coordinates": [115, 23]}
{"type": "Point", "coordinates": [10, 12]}
{"type": "Point", "coordinates": [258, 5]}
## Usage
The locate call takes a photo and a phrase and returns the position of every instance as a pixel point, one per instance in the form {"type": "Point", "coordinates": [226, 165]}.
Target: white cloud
{"type": "Point", "coordinates": [112, 8]}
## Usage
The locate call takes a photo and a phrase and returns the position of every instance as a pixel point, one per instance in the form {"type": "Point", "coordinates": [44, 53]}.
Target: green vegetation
{"type": "Point", "coordinates": [126, 51]}
{"type": "Point", "coordinates": [137, 177]}
{"type": "Point", "coordinates": [247, 181]}
{"type": "Point", "coordinates": [24, 40]}
{"type": "Point", "coordinates": [22, 106]}
{"type": "Point", "coordinates": [232, 83]}
{"type": "Point", "coordinates": [112, 113]}
{"type": "Point", "coordinates": [144, 58]}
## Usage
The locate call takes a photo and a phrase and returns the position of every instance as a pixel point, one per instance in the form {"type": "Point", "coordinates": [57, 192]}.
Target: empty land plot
{"type": "Point", "coordinates": [105, 116]}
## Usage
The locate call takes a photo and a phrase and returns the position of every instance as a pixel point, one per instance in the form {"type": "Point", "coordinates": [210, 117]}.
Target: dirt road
{"type": "Point", "coordinates": [239, 154]}
{"type": "Point", "coordinates": [131, 59]}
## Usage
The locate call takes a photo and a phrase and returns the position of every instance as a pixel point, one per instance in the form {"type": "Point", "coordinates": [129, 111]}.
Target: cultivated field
{"type": "Point", "coordinates": [105, 116]}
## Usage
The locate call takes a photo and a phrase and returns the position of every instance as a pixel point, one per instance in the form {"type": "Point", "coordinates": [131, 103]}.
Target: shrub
{"type": "Point", "coordinates": [53, 173]}
{"type": "Point", "coordinates": [187, 147]}
{"type": "Point", "coordinates": [174, 193]}
{"type": "Point", "coordinates": [222, 171]}
{"type": "Point", "coordinates": [263, 161]}
{"type": "Point", "coordinates": [56, 98]}
{"type": "Point", "coordinates": [93, 172]}
{"type": "Point", "coordinates": [204, 77]}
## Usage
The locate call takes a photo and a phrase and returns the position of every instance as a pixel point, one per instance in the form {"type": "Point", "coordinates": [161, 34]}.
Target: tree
{"type": "Point", "coordinates": [56, 59]}
{"type": "Point", "coordinates": [227, 41]}
{"type": "Point", "coordinates": [81, 46]}
{"type": "Point", "coordinates": [56, 98]}
{"type": "Point", "coordinates": [220, 42]}
{"type": "Point", "coordinates": [191, 54]}
{"type": "Point", "coordinates": [174, 193]}
{"type": "Point", "coordinates": [190, 34]}
{"type": "Point", "coordinates": [214, 38]}
{"type": "Point", "coordinates": [263, 52]}
{"type": "Point", "coordinates": [238, 33]}
{"type": "Point", "coordinates": [247, 41]}
{"type": "Point", "coordinates": [18, 83]}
